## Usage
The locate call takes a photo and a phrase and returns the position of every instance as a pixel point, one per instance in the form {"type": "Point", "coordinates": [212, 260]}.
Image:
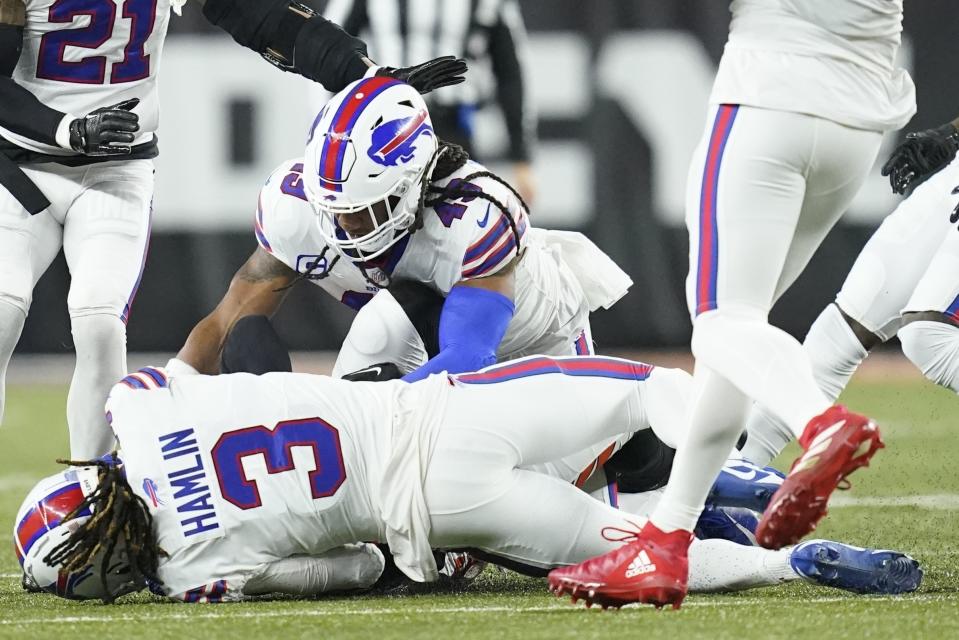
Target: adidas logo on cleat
{"type": "Point", "coordinates": [641, 564]}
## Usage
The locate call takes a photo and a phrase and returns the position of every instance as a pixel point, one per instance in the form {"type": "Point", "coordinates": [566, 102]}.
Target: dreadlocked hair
{"type": "Point", "coordinates": [119, 515]}
{"type": "Point", "coordinates": [448, 159]}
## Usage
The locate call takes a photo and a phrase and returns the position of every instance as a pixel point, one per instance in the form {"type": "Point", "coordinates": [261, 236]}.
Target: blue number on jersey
{"type": "Point", "coordinates": [453, 209]}
{"type": "Point", "coordinates": [292, 184]}
{"type": "Point", "coordinates": [275, 446]}
{"type": "Point", "coordinates": [135, 65]}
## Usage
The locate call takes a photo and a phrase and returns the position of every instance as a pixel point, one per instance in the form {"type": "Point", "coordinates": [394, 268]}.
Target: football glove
{"type": "Point", "coordinates": [430, 75]}
{"type": "Point", "coordinates": [919, 156]}
{"type": "Point", "coordinates": [108, 131]}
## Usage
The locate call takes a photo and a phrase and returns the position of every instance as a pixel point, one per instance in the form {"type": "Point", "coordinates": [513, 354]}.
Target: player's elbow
{"type": "Point", "coordinates": [464, 358]}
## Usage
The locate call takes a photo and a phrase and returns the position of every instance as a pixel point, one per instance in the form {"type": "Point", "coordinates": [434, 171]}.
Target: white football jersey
{"type": "Point", "coordinates": [462, 238]}
{"type": "Point", "coordinates": [79, 56]}
{"type": "Point", "coordinates": [241, 471]}
{"type": "Point", "coordinates": [834, 59]}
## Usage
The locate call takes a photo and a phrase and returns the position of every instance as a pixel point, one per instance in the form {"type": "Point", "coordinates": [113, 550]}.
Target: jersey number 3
{"type": "Point", "coordinates": [52, 63]}
{"type": "Point", "coordinates": [276, 446]}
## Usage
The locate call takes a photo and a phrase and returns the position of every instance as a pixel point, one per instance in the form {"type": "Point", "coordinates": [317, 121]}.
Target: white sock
{"type": "Point", "coordinates": [100, 342]}
{"type": "Point", "coordinates": [11, 325]}
{"type": "Point", "coordinates": [934, 348]}
{"type": "Point", "coordinates": [715, 421]}
{"type": "Point", "coordinates": [835, 353]}
{"type": "Point", "coordinates": [721, 565]}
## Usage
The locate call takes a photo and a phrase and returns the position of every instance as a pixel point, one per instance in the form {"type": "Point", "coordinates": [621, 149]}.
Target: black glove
{"type": "Point", "coordinates": [919, 156]}
{"type": "Point", "coordinates": [375, 373]}
{"type": "Point", "coordinates": [436, 73]}
{"type": "Point", "coordinates": [107, 131]}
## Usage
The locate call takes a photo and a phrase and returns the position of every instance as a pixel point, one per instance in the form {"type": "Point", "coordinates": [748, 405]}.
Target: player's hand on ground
{"type": "Point", "coordinates": [430, 75]}
{"type": "Point", "coordinates": [108, 131]}
{"type": "Point", "coordinates": [919, 156]}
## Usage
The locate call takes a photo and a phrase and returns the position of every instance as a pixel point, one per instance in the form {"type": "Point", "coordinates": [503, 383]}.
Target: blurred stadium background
{"type": "Point", "coordinates": [619, 89]}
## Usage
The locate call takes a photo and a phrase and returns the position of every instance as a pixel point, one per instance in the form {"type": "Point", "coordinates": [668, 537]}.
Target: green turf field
{"type": "Point", "coordinates": [908, 500]}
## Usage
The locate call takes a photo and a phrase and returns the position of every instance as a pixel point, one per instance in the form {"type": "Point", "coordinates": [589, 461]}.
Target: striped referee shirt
{"type": "Point", "coordinates": [488, 33]}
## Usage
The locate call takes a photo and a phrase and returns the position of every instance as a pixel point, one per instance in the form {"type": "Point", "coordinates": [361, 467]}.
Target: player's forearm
{"type": "Point", "coordinates": [21, 111]}
{"type": "Point", "coordinates": [204, 345]}
{"type": "Point", "coordinates": [293, 37]}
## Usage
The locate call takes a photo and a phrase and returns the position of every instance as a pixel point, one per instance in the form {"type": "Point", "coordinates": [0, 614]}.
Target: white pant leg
{"type": "Point", "coordinates": [773, 185]}
{"type": "Point", "coordinates": [105, 240]}
{"type": "Point", "coordinates": [933, 346]}
{"type": "Point", "coordinates": [880, 284]}
{"type": "Point", "coordinates": [28, 244]}
{"type": "Point", "coordinates": [752, 229]}
{"type": "Point", "coordinates": [938, 288]}
{"type": "Point", "coordinates": [381, 332]}
{"type": "Point", "coordinates": [898, 254]}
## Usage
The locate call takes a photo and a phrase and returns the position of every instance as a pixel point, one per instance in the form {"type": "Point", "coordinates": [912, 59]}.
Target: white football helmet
{"type": "Point", "coordinates": [39, 527]}
{"type": "Point", "coordinates": [367, 153]}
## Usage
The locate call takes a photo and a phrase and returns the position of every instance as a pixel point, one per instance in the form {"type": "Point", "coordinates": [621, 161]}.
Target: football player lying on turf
{"type": "Point", "coordinates": [229, 485]}
{"type": "Point", "coordinates": [408, 231]}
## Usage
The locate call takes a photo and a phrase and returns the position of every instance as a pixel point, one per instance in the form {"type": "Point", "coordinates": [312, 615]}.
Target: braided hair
{"type": "Point", "coordinates": [119, 515]}
{"type": "Point", "coordinates": [448, 159]}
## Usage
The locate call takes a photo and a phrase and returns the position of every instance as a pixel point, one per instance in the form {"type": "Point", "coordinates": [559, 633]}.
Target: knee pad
{"type": "Point", "coordinates": [21, 304]}
{"type": "Point", "coordinates": [934, 348]}
{"type": "Point", "coordinates": [253, 346]}
{"type": "Point", "coordinates": [382, 332]}
{"type": "Point", "coordinates": [91, 299]}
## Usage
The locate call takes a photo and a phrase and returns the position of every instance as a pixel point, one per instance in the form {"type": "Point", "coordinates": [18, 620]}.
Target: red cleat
{"type": "Point", "coordinates": [651, 569]}
{"type": "Point", "coordinates": [837, 442]}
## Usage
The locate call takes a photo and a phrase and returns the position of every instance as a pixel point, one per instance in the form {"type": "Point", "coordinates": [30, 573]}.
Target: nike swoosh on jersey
{"type": "Point", "coordinates": [482, 223]}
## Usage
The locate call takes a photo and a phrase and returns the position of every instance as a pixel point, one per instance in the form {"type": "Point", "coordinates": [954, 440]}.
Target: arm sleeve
{"type": "Point", "coordinates": [309, 45]}
{"type": "Point", "coordinates": [466, 343]}
{"type": "Point", "coordinates": [507, 35]}
{"type": "Point", "coordinates": [21, 111]}
{"type": "Point", "coordinates": [354, 566]}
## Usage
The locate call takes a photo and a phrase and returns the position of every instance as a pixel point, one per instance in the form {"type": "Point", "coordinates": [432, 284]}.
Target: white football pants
{"type": "Point", "coordinates": [100, 216]}
{"type": "Point", "coordinates": [764, 189]}
{"type": "Point", "coordinates": [503, 422]}
{"type": "Point", "coordinates": [911, 263]}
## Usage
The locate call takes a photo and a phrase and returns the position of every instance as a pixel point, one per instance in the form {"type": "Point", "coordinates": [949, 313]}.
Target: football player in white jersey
{"type": "Point", "coordinates": [904, 283]}
{"type": "Point", "coordinates": [234, 485]}
{"type": "Point", "coordinates": [77, 173]}
{"type": "Point", "coordinates": [378, 203]}
{"type": "Point", "coordinates": [804, 91]}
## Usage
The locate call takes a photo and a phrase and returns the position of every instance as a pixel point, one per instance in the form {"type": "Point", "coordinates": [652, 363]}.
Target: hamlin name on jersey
{"type": "Point", "coordinates": [79, 55]}
{"type": "Point", "coordinates": [241, 471]}
{"type": "Point", "coordinates": [462, 238]}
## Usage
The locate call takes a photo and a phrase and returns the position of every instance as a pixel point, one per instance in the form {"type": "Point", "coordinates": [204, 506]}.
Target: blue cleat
{"type": "Point", "coordinates": [743, 484]}
{"type": "Point", "coordinates": [727, 523]}
{"type": "Point", "coordinates": [843, 566]}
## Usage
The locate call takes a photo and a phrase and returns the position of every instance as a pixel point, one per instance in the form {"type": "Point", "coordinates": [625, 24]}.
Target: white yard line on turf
{"type": "Point", "coordinates": [222, 612]}
{"type": "Point", "coordinates": [945, 501]}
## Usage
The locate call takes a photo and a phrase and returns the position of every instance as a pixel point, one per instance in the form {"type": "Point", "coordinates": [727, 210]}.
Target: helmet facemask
{"type": "Point", "coordinates": [388, 220]}
{"type": "Point", "coordinates": [368, 152]}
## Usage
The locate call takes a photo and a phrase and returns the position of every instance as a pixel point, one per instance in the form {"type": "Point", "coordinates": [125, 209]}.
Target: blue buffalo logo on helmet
{"type": "Point", "coordinates": [394, 142]}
